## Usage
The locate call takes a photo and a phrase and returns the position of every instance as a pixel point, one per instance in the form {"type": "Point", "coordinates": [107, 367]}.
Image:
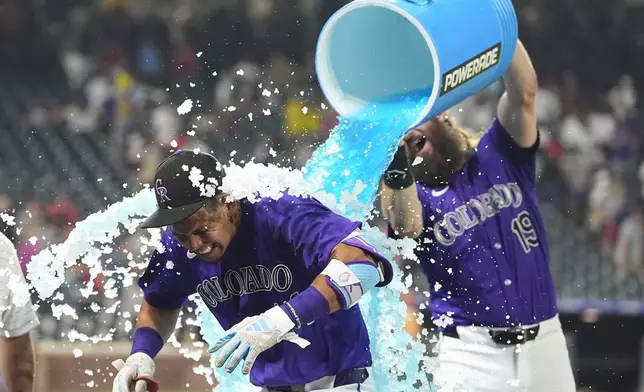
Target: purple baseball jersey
{"type": "Point", "coordinates": [280, 247]}
{"type": "Point", "coordinates": [484, 247]}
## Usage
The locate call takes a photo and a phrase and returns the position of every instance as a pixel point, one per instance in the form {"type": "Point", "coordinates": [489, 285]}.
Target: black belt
{"type": "Point", "coordinates": [505, 337]}
{"type": "Point", "coordinates": [347, 377]}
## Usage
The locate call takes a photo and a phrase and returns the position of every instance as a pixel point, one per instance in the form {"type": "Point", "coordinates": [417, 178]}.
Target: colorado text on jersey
{"type": "Point", "coordinates": [475, 211]}
{"type": "Point", "coordinates": [247, 280]}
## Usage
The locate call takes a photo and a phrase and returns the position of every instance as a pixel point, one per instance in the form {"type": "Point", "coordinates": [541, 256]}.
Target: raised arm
{"type": "Point", "coordinates": [516, 110]}
{"type": "Point", "coordinates": [399, 201]}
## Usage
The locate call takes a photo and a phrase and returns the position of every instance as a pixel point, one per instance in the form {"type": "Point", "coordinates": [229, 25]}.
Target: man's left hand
{"type": "Point", "coordinates": [252, 336]}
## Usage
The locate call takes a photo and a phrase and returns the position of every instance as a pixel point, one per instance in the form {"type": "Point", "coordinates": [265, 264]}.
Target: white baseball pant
{"type": "Point", "coordinates": [325, 384]}
{"type": "Point", "coordinates": [475, 363]}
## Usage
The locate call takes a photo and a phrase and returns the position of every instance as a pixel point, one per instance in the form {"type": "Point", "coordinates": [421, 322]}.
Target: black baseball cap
{"type": "Point", "coordinates": [179, 189]}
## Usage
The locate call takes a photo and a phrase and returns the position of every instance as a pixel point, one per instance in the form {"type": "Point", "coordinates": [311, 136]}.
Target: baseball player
{"type": "Point", "coordinates": [471, 203]}
{"type": "Point", "coordinates": [17, 319]}
{"type": "Point", "coordinates": [282, 276]}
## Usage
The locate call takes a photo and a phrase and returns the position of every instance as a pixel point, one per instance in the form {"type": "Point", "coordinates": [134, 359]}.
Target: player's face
{"type": "Point", "coordinates": [208, 233]}
{"type": "Point", "coordinates": [437, 143]}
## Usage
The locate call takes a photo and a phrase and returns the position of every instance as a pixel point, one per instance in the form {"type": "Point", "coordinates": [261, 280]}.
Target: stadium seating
{"type": "Point", "coordinates": [42, 161]}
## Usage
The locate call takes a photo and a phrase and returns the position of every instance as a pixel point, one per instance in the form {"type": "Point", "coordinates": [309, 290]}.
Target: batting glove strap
{"type": "Point", "coordinates": [280, 319]}
{"type": "Point", "coordinates": [398, 175]}
{"type": "Point", "coordinates": [292, 314]}
{"type": "Point", "coordinates": [306, 307]}
{"type": "Point", "coordinates": [272, 327]}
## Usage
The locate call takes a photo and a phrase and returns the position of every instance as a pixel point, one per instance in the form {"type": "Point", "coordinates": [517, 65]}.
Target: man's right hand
{"type": "Point", "coordinates": [398, 175]}
{"type": "Point", "coordinates": [135, 374]}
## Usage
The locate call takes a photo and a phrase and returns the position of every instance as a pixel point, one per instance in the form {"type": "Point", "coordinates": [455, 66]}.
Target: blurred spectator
{"type": "Point", "coordinates": [623, 98]}
{"type": "Point", "coordinates": [97, 90]}
{"type": "Point", "coordinates": [629, 252]}
{"type": "Point", "coordinates": [62, 213]}
{"type": "Point", "coordinates": [80, 117]}
{"type": "Point", "coordinates": [548, 104]}
{"type": "Point", "coordinates": [184, 60]}
{"type": "Point", "coordinates": [606, 201]}
{"type": "Point", "coordinates": [164, 120]}
{"type": "Point", "coordinates": [301, 116]}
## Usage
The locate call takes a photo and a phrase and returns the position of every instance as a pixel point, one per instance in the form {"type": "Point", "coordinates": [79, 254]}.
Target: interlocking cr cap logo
{"type": "Point", "coordinates": [161, 190]}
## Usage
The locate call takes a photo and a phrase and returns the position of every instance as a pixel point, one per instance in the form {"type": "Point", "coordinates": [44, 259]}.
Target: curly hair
{"type": "Point", "coordinates": [214, 204]}
{"type": "Point", "coordinates": [470, 137]}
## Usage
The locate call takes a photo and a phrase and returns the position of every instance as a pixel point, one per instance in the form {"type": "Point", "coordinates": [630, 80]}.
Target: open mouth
{"type": "Point", "coordinates": [420, 144]}
{"type": "Point", "coordinates": [422, 147]}
{"type": "Point", "coordinates": [206, 250]}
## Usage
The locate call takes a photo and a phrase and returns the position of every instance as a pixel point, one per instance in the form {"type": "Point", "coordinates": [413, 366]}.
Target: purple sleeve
{"type": "Point", "coordinates": [497, 147]}
{"type": "Point", "coordinates": [169, 277]}
{"type": "Point", "coordinates": [313, 230]}
{"type": "Point", "coordinates": [357, 240]}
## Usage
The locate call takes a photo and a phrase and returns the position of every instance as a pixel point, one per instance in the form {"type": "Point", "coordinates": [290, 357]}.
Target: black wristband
{"type": "Point", "coordinates": [398, 175]}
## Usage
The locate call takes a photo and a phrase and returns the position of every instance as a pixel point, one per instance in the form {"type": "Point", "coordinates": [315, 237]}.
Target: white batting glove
{"type": "Point", "coordinates": [254, 335]}
{"type": "Point", "coordinates": [135, 374]}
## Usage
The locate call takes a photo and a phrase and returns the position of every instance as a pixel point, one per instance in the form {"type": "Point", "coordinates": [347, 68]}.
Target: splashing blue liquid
{"type": "Point", "coordinates": [358, 151]}
{"type": "Point", "coordinates": [351, 162]}
{"type": "Point", "coordinates": [348, 166]}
